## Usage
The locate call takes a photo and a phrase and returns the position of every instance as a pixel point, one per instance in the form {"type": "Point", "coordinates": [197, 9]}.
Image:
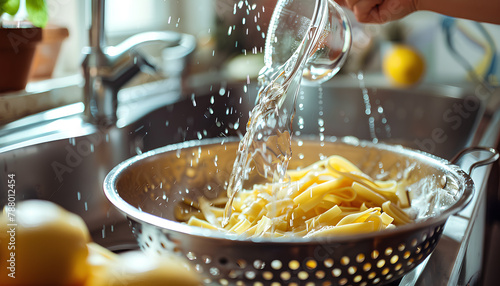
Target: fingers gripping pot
{"type": "Point", "coordinates": [148, 189]}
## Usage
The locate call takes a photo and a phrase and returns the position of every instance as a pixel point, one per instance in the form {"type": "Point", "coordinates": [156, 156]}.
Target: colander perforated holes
{"type": "Point", "coordinates": [367, 267]}
{"type": "Point", "coordinates": [276, 264]}
{"type": "Point", "coordinates": [410, 261]}
{"type": "Point", "coordinates": [191, 256]}
{"type": "Point", "coordinates": [320, 274]}
{"type": "Point", "coordinates": [326, 283]}
{"type": "Point", "coordinates": [398, 266]}
{"type": "Point", "coordinates": [357, 278]}
{"type": "Point", "coordinates": [375, 254]}
{"type": "Point", "coordinates": [223, 261]}
{"type": "Point", "coordinates": [250, 275]}
{"type": "Point", "coordinates": [380, 263]}
{"type": "Point", "coordinates": [413, 242]}
{"type": "Point", "coordinates": [352, 270]}
{"type": "Point", "coordinates": [406, 254]}
{"type": "Point", "coordinates": [258, 284]}
{"type": "Point", "coordinates": [372, 275]}
{"type": "Point", "coordinates": [376, 280]}
{"type": "Point", "coordinates": [206, 259]}
{"type": "Point", "coordinates": [343, 281]}
{"type": "Point", "coordinates": [424, 237]}
{"type": "Point", "coordinates": [207, 280]}
{"type": "Point", "coordinates": [259, 264]}
{"type": "Point", "coordinates": [311, 264]}
{"type": "Point", "coordinates": [275, 284]}
{"type": "Point", "coordinates": [198, 268]}
{"type": "Point", "coordinates": [385, 271]}
{"type": "Point", "coordinates": [417, 251]}
{"type": "Point", "coordinates": [426, 245]}
{"type": "Point", "coordinates": [401, 247]}
{"type": "Point", "coordinates": [394, 259]}
{"type": "Point", "coordinates": [360, 258]}
{"type": "Point", "coordinates": [293, 264]}
{"type": "Point", "coordinates": [328, 263]}
{"type": "Point", "coordinates": [344, 260]}
{"type": "Point", "coordinates": [285, 275]}
{"type": "Point", "coordinates": [267, 275]}
{"type": "Point", "coordinates": [241, 263]}
{"type": "Point", "coordinates": [363, 283]}
{"type": "Point", "coordinates": [389, 277]}
{"type": "Point", "coordinates": [336, 272]}
{"type": "Point", "coordinates": [214, 271]}
{"type": "Point", "coordinates": [303, 275]}
{"type": "Point", "coordinates": [388, 251]}
{"type": "Point", "coordinates": [233, 274]}
{"type": "Point", "coordinates": [223, 282]}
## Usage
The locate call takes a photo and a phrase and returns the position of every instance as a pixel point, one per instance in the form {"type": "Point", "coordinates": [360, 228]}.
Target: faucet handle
{"type": "Point", "coordinates": [168, 38]}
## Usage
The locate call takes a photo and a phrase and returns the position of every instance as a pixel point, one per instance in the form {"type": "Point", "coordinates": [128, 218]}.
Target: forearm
{"type": "Point", "coordinates": [478, 10]}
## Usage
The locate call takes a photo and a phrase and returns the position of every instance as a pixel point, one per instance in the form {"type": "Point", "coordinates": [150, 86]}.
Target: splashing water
{"type": "Point", "coordinates": [267, 141]}
{"type": "Point", "coordinates": [369, 111]}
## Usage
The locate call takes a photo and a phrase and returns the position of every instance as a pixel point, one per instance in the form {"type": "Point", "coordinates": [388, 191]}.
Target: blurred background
{"type": "Point", "coordinates": [225, 29]}
{"type": "Point", "coordinates": [229, 37]}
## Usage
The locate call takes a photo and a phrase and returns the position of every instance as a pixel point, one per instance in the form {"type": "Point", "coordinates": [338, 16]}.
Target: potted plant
{"type": "Point", "coordinates": [18, 39]}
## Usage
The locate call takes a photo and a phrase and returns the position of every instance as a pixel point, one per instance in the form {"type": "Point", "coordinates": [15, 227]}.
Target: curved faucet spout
{"type": "Point", "coordinates": [106, 69]}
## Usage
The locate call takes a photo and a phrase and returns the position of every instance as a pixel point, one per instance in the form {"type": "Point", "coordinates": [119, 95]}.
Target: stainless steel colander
{"type": "Point", "coordinates": [149, 187]}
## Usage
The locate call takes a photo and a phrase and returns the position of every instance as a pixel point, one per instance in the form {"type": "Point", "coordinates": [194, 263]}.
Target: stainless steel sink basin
{"type": "Point", "coordinates": [57, 156]}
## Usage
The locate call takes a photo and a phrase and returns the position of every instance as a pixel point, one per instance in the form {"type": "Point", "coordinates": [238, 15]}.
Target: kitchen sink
{"type": "Point", "coordinates": [57, 156]}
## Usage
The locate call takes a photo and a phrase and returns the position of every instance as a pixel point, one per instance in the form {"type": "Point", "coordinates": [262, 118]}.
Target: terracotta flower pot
{"type": "Point", "coordinates": [17, 47]}
{"type": "Point", "coordinates": [47, 51]}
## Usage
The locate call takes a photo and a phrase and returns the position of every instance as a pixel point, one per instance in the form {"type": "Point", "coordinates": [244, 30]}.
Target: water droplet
{"type": "Point", "coordinates": [193, 99]}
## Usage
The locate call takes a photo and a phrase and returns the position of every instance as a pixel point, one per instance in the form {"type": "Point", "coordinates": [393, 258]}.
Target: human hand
{"type": "Point", "coordinates": [379, 11]}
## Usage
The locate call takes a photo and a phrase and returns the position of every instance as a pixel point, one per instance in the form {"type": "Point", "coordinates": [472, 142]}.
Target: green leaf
{"type": "Point", "coordinates": [37, 12]}
{"type": "Point", "coordinates": [10, 6]}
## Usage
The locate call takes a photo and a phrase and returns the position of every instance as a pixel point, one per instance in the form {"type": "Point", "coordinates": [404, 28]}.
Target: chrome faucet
{"type": "Point", "coordinates": [108, 68]}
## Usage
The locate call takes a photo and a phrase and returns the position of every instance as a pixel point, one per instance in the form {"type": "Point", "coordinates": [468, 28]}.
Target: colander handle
{"type": "Point", "coordinates": [494, 156]}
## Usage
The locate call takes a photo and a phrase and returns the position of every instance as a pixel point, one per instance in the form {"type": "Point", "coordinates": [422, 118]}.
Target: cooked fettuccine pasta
{"type": "Point", "coordinates": [329, 197]}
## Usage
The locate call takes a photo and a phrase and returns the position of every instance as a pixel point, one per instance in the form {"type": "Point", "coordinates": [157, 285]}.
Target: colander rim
{"type": "Point", "coordinates": [133, 213]}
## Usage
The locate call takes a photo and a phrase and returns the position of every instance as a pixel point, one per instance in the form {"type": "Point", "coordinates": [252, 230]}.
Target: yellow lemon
{"type": "Point", "coordinates": [403, 65]}
{"type": "Point", "coordinates": [42, 244]}
{"type": "Point", "coordinates": [135, 268]}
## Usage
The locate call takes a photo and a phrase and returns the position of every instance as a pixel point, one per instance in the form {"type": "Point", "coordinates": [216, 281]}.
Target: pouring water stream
{"type": "Point", "coordinates": [267, 141]}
